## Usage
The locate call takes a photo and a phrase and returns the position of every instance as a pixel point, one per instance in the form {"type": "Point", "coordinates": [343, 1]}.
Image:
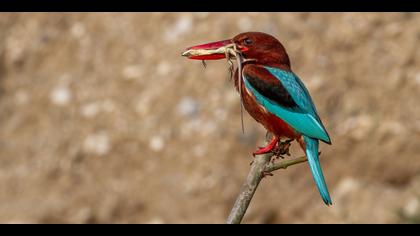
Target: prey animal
{"type": "Point", "coordinates": [272, 94]}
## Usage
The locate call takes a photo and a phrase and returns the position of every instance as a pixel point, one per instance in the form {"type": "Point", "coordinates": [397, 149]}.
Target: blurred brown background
{"type": "Point", "coordinates": [102, 120]}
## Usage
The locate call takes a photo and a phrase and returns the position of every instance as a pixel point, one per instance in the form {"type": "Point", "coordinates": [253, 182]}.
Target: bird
{"type": "Point", "coordinates": [272, 94]}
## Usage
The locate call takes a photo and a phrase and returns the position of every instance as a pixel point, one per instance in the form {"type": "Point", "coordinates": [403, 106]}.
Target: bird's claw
{"type": "Point", "coordinates": [282, 149]}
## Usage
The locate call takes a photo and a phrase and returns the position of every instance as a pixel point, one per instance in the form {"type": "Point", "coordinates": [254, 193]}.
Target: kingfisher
{"type": "Point", "coordinates": [272, 94]}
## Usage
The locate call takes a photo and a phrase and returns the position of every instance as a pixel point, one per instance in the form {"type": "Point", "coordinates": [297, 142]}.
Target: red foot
{"type": "Point", "coordinates": [268, 148]}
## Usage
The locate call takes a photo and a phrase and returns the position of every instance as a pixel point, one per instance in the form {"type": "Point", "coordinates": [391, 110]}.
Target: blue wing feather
{"type": "Point", "coordinates": [304, 117]}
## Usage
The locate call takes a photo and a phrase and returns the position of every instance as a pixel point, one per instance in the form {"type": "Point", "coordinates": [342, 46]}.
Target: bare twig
{"type": "Point", "coordinates": [261, 164]}
{"type": "Point", "coordinates": [270, 167]}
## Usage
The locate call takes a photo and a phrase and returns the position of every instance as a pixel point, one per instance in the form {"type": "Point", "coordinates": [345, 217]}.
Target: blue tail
{"type": "Point", "coordinates": [312, 154]}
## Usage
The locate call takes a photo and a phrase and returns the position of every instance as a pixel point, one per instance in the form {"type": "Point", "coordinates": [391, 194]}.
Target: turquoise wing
{"type": "Point", "coordinates": [303, 117]}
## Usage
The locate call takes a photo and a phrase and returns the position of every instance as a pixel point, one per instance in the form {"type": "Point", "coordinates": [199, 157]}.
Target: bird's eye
{"type": "Point", "coordinates": [247, 41]}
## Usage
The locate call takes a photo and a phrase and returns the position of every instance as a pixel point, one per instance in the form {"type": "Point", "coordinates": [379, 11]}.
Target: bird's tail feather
{"type": "Point", "coordinates": [312, 154]}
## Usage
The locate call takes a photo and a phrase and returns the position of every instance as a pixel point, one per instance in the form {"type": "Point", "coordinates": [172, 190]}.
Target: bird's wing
{"type": "Point", "coordinates": [283, 94]}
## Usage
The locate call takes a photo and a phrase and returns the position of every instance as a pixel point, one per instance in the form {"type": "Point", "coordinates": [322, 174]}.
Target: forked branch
{"type": "Point", "coordinates": [261, 166]}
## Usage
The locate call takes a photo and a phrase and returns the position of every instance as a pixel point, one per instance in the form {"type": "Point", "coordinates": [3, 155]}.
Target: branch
{"type": "Point", "coordinates": [248, 188]}
{"type": "Point", "coordinates": [261, 164]}
{"type": "Point", "coordinates": [284, 164]}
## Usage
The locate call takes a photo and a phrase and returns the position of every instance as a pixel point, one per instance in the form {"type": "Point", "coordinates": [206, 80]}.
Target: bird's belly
{"type": "Point", "coordinates": [270, 121]}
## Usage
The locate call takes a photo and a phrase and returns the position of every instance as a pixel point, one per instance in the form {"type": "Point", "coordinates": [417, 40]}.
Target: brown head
{"type": "Point", "coordinates": [263, 48]}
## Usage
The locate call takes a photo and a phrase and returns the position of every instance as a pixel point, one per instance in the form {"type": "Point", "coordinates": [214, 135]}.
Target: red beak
{"type": "Point", "coordinates": [212, 51]}
{"type": "Point", "coordinates": [208, 51]}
